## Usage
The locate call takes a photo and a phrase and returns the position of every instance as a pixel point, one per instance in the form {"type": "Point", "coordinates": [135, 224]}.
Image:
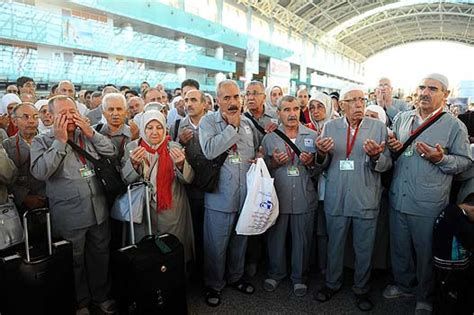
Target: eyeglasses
{"type": "Point", "coordinates": [354, 100]}
{"type": "Point", "coordinates": [254, 93]}
{"type": "Point", "coordinates": [27, 117]}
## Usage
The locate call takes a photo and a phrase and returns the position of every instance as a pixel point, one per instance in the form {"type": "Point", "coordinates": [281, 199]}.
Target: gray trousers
{"type": "Point", "coordinates": [412, 234]}
{"type": "Point", "coordinates": [91, 262]}
{"type": "Point", "coordinates": [223, 249]}
{"type": "Point", "coordinates": [301, 229]}
{"type": "Point", "coordinates": [363, 236]}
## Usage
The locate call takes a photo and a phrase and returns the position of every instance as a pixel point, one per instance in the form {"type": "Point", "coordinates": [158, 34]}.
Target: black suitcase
{"type": "Point", "coordinates": [148, 277]}
{"type": "Point", "coordinates": [38, 284]}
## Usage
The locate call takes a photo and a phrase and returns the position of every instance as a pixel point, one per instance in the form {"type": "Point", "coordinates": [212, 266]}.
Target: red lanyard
{"type": "Point", "coordinates": [412, 132]}
{"type": "Point", "coordinates": [349, 143]}
{"type": "Point", "coordinates": [234, 147]}
{"type": "Point", "coordinates": [81, 144]}
{"type": "Point", "coordinates": [290, 153]}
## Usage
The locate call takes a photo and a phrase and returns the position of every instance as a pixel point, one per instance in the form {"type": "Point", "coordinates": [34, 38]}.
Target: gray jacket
{"type": "Point", "coordinates": [354, 193]}
{"type": "Point", "coordinates": [75, 202]}
{"type": "Point", "coordinates": [216, 137]}
{"type": "Point", "coordinates": [296, 194]}
{"type": "Point", "coordinates": [25, 184]}
{"type": "Point", "coordinates": [7, 175]}
{"type": "Point", "coordinates": [420, 187]}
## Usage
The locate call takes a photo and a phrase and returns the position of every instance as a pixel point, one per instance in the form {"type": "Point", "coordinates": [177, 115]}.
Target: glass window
{"type": "Point", "coordinates": [234, 18]}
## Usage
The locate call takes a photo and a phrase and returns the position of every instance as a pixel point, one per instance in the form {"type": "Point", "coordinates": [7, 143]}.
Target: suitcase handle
{"type": "Point", "coordinates": [147, 206]}
{"type": "Point", "coordinates": [48, 230]}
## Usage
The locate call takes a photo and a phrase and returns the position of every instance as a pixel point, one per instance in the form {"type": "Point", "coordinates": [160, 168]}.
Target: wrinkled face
{"type": "Point", "coordinates": [154, 132]}
{"type": "Point", "coordinates": [66, 108]}
{"type": "Point", "coordinates": [194, 106]}
{"type": "Point", "coordinates": [229, 99]}
{"type": "Point", "coordinates": [254, 97]}
{"type": "Point", "coordinates": [431, 95]}
{"type": "Point", "coordinates": [289, 113]}
{"type": "Point", "coordinates": [135, 107]}
{"type": "Point", "coordinates": [29, 88]}
{"type": "Point", "coordinates": [354, 105]}
{"type": "Point", "coordinates": [45, 116]}
{"type": "Point", "coordinates": [66, 89]}
{"type": "Point", "coordinates": [384, 88]}
{"type": "Point", "coordinates": [371, 114]}
{"type": "Point", "coordinates": [275, 94]}
{"type": "Point", "coordinates": [153, 96]}
{"type": "Point", "coordinates": [303, 98]}
{"type": "Point", "coordinates": [115, 112]}
{"type": "Point", "coordinates": [26, 119]}
{"type": "Point", "coordinates": [317, 110]}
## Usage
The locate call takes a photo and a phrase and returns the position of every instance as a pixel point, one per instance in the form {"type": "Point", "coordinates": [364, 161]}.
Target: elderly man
{"type": "Point", "coordinates": [383, 98]}
{"type": "Point", "coordinates": [292, 175]}
{"type": "Point", "coordinates": [76, 198]}
{"type": "Point", "coordinates": [66, 88]}
{"type": "Point", "coordinates": [135, 106]}
{"type": "Point", "coordinates": [421, 185]}
{"type": "Point", "coordinates": [152, 95]}
{"type": "Point", "coordinates": [353, 150]}
{"type": "Point", "coordinates": [28, 192]}
{"type": "Point", "coordinates": [226, 131]}
{"type": "Point", "coordinates": [303, 99]}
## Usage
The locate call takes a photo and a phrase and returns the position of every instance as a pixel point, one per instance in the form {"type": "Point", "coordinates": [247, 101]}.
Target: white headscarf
{"type": "Point", "coordinates": [145, 119]}
{"type": "Point", "coordinates": [379, 110]}
{"type": "Point", "coordinates": [326, 101]}
{"type": "Point", "coordinates": [39, 104]}
{"type": "Point", "coordinates": [7, 99]}
{"type": "Point", "coordinates": [268, 96]}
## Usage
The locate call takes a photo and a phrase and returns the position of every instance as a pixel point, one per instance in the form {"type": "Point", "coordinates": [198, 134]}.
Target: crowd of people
{"type": "Point", "coordinates": [358, 189]}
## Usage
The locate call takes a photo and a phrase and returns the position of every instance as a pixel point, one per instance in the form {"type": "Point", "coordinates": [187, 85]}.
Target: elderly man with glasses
{"type": "Point", "coordinates": [383, 98]}
{"type": "Point", "coordinates": [352, 149]}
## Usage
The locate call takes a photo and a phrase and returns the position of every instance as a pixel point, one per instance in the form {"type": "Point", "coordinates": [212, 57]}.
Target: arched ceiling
{"type": "Point", "coordinates": [360, 28]}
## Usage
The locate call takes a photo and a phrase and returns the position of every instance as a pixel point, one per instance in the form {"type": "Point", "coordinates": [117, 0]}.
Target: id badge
{"type": "Point", "coordinates": [235, 158]}
{"type": "Point", "coordinates": [346, 165]}
{"type": "Point", "coordinates": [408, 151]}
{"type": "Point", "coordinates": [292, 171]}
{"type": "Point", "coordinates": [86, 172]}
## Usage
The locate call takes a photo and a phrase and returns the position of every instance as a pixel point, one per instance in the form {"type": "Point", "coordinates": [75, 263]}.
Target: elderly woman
{"type": "Point", "coordinates": [9, 101]}
{"type": "Point", "coordinates": [46, 119]}
{"type": "Point", "coordinates": [154, 158]}
{"type": "Point", "coordinates": [272, 94]}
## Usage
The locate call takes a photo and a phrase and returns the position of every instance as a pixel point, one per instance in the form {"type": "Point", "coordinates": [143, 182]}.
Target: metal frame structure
{"type": "Point", "coordinates": [384, 23]}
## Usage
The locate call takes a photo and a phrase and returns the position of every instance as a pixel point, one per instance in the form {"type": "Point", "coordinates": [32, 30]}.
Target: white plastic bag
{"type": "Point", "coordinates": [261, 207]}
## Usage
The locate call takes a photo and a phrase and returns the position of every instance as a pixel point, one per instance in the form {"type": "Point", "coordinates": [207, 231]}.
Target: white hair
{"type": "Point", "coordinates": [113, 96]}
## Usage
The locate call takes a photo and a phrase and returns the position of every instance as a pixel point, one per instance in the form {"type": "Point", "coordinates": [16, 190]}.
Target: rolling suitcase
{"type": "Point", "coordinates": [38, 283]}
{"type": "Point", "coordinates": [148, 277]}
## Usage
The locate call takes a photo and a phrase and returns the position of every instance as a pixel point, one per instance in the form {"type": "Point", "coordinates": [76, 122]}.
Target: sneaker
{"type": "Point", "coordinates": [83, 311]}
{"type": "Point", "coordinates": [423, 308]}
{"type": "Point", "coordinates": [270, 285]}
{"type": "Point", "coordinates": [300, 289]}
{"type": "Point", "coordinates": [394, 292]}
{"type": "Point", "coordinates": [107, 307]}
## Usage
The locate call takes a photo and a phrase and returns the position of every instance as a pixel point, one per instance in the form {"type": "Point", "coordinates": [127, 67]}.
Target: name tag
{"type": "Point", "coordinates": [408, 151]}
{"type": "Point", "coordinates": [248, 130]}
{"type": "Point", "coordinates": [274, 120]}
{"type": "Point", "coordinates": [86, 172]}
{"type": "Point", "coordinates": [308, 142]}
{"type": "Point", "coordinates": [293, 171]}
{"type": "Point", "coordinates": [346, 165]}
{"type": "Point", "coordinates": [235, 158]}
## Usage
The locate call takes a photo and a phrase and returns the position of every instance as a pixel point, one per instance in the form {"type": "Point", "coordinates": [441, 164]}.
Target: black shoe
{"type": "Point", "coordinates": [364, 303]}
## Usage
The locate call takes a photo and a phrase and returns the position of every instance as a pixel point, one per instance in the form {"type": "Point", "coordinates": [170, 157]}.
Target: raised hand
{"type": "Point", "coordinates": [306, 158]}
{"type": "Point", "coordinates": [393, 144]}
{"type": "Point", "coordinates": [85, 127]}
{"type": "Point", "coordinates": [178, 157]}
{"type": "Point", "coordinates": [324, 145]}
{"type": "Point", "coordinates": [60, 128]}
{"type": "Point", "coordinates": [373, 149]}
{"type": "Point", "coordinates": [185, 136]}
{"type": "Point", "coordinates": [137, 156]}
{"type": "Point", "coordinates": [433, 155]}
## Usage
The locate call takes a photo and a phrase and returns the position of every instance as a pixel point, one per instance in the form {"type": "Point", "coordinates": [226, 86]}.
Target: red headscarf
{"type": "Point", "coordinates": [164, 175]}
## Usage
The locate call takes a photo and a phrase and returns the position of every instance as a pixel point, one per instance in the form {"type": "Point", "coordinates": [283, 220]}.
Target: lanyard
{"type": "Point", "coordinates": [349, 143]}
{"type": "Point", "coordinates": [82, 158]}
{"type": "Point", "coordinates": [18, 153]}
{"type": "Point", "coordinates": [234, 147]}
{"type": "Point", "coordinates": [290, 153]}
{"type": "Point", "coordinates": [429, 120]}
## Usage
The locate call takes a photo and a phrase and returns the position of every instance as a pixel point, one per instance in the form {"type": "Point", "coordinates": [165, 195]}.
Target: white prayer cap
{"type": "Point", "coordinates": [39, 104]}
{"type": "Point", "coordinates": [438, 77]}
{"type": "Point", "coordinates": [379, 110]}
{"type": "Point", "coordinates": [7, 99]}
{"type": "Point", "coordinates": [350, 88]}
